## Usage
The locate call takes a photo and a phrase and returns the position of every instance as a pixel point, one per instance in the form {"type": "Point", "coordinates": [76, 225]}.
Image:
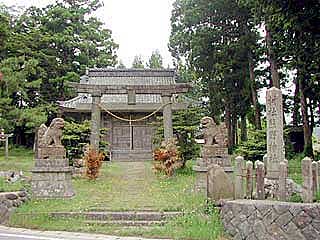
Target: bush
{"type": "Point", "coordinates": [167, 157]}
{"type": "Point", "coordinates": [76, 136]}
{"type": "Point", "coordinates": [185, 127]}
{"type": "Point", "coordinates": [93, 162]}
{"type": "Point", "coordinates": [256, 147]}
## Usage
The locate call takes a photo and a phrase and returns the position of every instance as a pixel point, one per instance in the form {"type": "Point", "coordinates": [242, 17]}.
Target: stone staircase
{"type": "Point", "coordinates": [126, 218]}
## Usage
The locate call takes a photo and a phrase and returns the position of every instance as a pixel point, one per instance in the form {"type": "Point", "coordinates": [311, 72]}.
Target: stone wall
{"type": "Point", "coordinates": [9, 201]}
{"type": "Point", "coordinates": [271, 220]}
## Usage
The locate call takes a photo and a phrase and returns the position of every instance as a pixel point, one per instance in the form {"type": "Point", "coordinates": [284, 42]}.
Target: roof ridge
{"type": "Point", "coordinates": [131, 70]}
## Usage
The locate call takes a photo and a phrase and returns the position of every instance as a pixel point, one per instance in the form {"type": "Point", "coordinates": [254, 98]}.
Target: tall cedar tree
{"type": "Point", "coordinates": [212, 37]}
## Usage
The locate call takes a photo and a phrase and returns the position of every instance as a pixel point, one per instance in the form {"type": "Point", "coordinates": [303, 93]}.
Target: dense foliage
{"type": "Point", "coordinates": [40, 50]}
{"type": "Point", "coordinates": [167, 158]}
{"type": "Point", "coordinates": [255, 147]}
{"type": "Point", "coordinates": [76, 137]}
{"type": "Point", "coordinates": [237, 47]}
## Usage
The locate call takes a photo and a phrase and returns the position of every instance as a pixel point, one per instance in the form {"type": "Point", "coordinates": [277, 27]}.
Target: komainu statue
{"type": "Point", "coordinates": [51, 136]}
{"type": "Point", "coordinates": [214, 134]}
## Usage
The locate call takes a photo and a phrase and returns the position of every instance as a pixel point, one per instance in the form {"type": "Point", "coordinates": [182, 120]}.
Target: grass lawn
{"type": "Point", "coordinates": [19, 159]}
{"type": "Point", "coordinates": [115, 190]}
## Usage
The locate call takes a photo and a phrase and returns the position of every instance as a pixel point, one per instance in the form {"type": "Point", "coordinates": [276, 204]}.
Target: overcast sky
{"type": "Point", "coordinates": [138, 26]}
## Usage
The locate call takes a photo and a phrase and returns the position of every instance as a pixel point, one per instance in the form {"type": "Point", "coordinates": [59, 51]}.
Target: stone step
{"type": "Point", "coordinates": [127, 223]}
{"type": "Point", "coordinates": [127, 215]}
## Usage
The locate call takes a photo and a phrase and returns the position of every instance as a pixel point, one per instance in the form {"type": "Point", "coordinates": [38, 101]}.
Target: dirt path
{"type": "Point", "coordinates": [131, 187]}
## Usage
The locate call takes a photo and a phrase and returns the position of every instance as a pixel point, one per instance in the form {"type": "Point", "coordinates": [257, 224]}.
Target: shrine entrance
{"type": "Point", "coordinates": [126, 101]}
{"type": "Point", "coordinates": [131, 141]}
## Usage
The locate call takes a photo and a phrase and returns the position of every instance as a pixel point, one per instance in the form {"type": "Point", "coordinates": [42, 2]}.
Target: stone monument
{"type": "Point", "coordinates": [51, 176]}
{"type": "Point", "coordinates": [214, 152]}
{"type": "Point", "coordinates": [220, 185]}
{"type": "Point", "coordinates": [275, 142]}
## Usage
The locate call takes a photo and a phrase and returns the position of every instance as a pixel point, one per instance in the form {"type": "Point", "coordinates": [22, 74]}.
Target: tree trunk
{"type": "Point", "coordinates": [244, 130]}
{"type": "Point", "coordinates": [296, 103]}
{"type": "Point", "coordinates": [272, 60]}
{"type": "Point", "coordinates": [308, 151]}
{"type": "Point", "coordinates": [255, 102]}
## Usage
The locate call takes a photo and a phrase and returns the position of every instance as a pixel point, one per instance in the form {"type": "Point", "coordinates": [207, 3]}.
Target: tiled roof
{"type": "Point", "coordinates": [123, 77]}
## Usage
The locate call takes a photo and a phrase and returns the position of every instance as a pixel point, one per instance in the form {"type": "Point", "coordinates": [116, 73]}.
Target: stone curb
{"type": "Point", "coordinates": [65, 235]}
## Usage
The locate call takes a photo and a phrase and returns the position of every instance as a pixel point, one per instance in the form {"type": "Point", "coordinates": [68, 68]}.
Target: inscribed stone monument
{"type": "Point", "coordinates": [275, 143]}
{"type": "Point", "coordinates": [220, 185]}
{"type": "Point", "coordinates": [51, 176]}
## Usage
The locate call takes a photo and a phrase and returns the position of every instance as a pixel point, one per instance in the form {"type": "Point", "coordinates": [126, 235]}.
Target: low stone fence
{"type": "Point", "coordinates": [9, 201]}
{"type": "Point", "coordinates": [274, 220]}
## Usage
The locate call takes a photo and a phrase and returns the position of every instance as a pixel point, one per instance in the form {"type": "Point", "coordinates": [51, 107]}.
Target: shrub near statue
{"type": "Point", "coordinates": [51, 176]}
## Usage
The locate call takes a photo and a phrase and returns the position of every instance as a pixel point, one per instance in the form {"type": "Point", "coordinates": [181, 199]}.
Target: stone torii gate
{"type": "Point", "coordinates": [96, 91]}
{"type": "Point", "coordinates": [5, 138]}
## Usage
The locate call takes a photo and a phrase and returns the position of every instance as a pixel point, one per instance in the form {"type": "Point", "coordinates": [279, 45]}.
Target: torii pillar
{"type": "Point", "coordinates": [167, 116]}
{"type": "Point", "coordinates": [95, 120]}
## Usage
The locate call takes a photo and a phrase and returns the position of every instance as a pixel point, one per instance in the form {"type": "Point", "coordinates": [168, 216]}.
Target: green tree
{"type": "Point", "coordinates": [216, 39]}
{"type": "Point", "coordinates": [155, 60]}
{"type": "Point", "coordinates": [40, 50]}
{"type": "Point", "coordinates": [137, 62]}
{"type": "Point", "coordinates": [294, 45]}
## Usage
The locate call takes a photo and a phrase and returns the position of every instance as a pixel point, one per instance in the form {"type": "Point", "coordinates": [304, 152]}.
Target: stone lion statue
{"type": "Point", "coordinates": [214, 134]}
{"type": "Point", "coordinates": [51, 136]}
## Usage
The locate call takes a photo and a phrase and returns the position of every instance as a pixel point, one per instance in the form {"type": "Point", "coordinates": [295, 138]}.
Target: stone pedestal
{"type": "Point", "coordinates": [211, 155]}
{"type": "Point", "coordinates": [201, 183]}
{"type": "Point", "coordinates": [214, 154]}
{"type": "Point", "coordinates": [51, 176]}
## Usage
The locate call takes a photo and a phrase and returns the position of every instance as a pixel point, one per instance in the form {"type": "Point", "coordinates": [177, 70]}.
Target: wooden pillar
{"type": "Point", "coordinates": [95, 120]}
{"type": "Point", "coordinates": [167, 117]}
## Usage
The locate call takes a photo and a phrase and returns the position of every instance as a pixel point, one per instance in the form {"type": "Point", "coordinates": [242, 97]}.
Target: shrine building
{"type": "Point", "coordinates": [126, 102]}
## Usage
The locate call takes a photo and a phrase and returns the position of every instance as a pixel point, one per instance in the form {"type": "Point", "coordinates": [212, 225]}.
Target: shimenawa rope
{"type": "Point", "coordinates": [133, 120]}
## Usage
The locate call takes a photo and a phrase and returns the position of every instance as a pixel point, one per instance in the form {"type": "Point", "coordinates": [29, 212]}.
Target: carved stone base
{"type": "Point", "coordinates": [51, 152]}
{"type": "Point", "coordinates": [201, 182]}
{"type": "Point", "coordinates": [51, 178]}
{"type": "Point", "coordinates": [201, 169]}
{"type": "Point", "coordinates": [213, 154]}
{"type": "Point", "coordinates": [52, 163]}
